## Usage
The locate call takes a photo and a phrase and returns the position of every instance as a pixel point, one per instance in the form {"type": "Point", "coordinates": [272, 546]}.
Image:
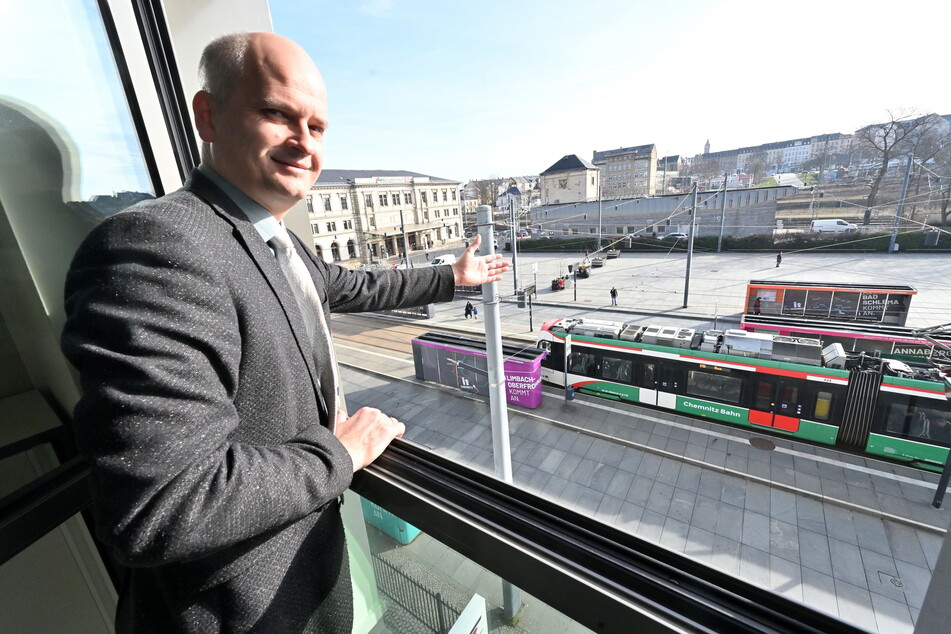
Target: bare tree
{"type": "Point", "coordinates": [889, 140]}
{"type": "Point", "coordinates": [756, 165]}
{"type": "Point", "coordinates": [487, 190]}
{"type": "Point", "coordinates": [931, 147]}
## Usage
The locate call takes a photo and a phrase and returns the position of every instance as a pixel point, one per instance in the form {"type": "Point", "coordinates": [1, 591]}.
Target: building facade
{"type": "Point", "coordinates": [779, 156]}
{"type": "Point", "coordinates": [363, 215]}
{"type": "Point", "coordinates": [627, 172]}
{"type": "Point", "coordinates": [742, 212]}
{"type": "Point", "coordinates": [571, 179]}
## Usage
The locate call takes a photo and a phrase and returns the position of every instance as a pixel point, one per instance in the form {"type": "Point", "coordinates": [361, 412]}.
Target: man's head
{"type": "Point", "coordinates": [261, 114]}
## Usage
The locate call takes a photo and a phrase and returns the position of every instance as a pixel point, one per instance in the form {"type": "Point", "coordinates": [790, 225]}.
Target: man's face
{"type": "Point", "coordinates": [267, 139]}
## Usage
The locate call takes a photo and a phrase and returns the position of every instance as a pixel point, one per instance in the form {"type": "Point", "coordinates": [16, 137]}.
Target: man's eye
{"type": "Point", "coordinates": [273, 112]}
{"type": "Point", "coordinates": [316, 129]}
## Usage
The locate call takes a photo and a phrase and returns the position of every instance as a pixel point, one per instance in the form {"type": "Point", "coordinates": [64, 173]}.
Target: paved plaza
{"type": "Point", "coordinates": [848, 536]}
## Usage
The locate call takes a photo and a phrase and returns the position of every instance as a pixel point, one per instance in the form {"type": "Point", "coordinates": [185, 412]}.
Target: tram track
{"type": "Point", "coordinates": [352, 338]}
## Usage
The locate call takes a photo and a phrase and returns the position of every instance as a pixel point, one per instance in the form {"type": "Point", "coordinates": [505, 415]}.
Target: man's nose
{"type": "Point", "coordinates": [302, 139]}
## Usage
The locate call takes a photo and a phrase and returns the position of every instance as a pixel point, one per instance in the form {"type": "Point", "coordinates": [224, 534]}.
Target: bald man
{"type": "Point", "coordinates": [218, 455]}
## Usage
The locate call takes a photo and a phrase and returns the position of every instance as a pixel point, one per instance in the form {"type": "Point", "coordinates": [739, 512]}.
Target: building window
{"type": "Point", "coordinates": [396, 200]}
{"type": "Point", "coordinates": [335, 252]}
{"type": "Point", "coordinates": [331, 226]}
{"type": "Point", "coordinates": [437, 213]}
{"type": "Point", "coordinates": [423, 194]}
{"type": "Point", "coordinates": [343, 203]}
{"type": "Point", "coordinates": [326, 203]}
{"type": "Point", "coordinates": [310, 205]}
{"type": "Point", "coordinates": [445, 196]}
{"type": "Point", "coordinates": [348, 224]}
{"type": "Point", "coordinates": [319, 251]}
{"type": "Point", "coordinates": [315, 228]}
{"type": "Point", "coordinates": [435, 196]}
{"type": "Point", "coordinates": [384, 200]}
{"type": "Point", "coordinates": [407, 198]}
{"type": "Point", "coordinates": [454, 195]}
{"type": "Point", "coordinates": [368, 200]}
{"type": "Point", "coordinates": [351, 249]}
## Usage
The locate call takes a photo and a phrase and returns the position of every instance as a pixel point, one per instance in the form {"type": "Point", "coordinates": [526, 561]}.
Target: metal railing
{"type": "Point", "coordinates": [419, 605]}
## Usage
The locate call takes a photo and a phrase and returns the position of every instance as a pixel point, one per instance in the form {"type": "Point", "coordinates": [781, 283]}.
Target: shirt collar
{"type": "Point", "coordinates": [265, 224]}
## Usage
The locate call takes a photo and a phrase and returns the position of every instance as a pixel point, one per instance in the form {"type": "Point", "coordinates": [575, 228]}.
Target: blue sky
{"type": "Point", "coordinates": [475, 89]}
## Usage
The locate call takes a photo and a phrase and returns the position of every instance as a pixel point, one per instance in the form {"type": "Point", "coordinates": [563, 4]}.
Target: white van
{"type": "Point", "coordinates": [447, 258]}
{"type": "Point", "coordinates": [833, 226]}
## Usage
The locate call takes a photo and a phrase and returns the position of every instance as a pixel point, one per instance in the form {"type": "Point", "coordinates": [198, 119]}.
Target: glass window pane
{"type": "Point", "coordinates": [823, 405]}
{"type": "Point", "coordinates": [406, 581]}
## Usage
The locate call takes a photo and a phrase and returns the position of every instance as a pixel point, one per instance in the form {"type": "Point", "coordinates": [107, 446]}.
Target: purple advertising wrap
{"type": "Point", "coordinates": [468, 371]}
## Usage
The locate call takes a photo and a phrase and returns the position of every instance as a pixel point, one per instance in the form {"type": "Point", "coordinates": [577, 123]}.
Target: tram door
{"type": "Point", "coordinates": [668, 385]}
{"type": "Point", "coordinates": [776, 404]}
{"type": "Point", "coordinates": [646, 379]}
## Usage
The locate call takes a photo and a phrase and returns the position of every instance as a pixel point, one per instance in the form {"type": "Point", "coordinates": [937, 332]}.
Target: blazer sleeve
{"type": "Point", "coordinates": [158, 337]}
{"type": "Point", "coordinates": [358, 291]}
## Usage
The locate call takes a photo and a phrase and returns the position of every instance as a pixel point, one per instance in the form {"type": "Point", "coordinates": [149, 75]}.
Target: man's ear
{"type": "Point", "coordinates": [202, 110]}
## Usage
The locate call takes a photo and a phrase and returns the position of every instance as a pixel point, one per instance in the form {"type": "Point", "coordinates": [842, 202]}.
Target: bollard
{"type": "Point", "coordinates": [942, 483]}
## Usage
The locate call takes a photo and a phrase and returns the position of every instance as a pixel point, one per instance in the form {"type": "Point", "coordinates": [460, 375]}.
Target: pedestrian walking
{"type": "Point", "coordinates": [613, 296]}
{"type": "Point", "coordinates": [779, 259]}
{"type": "Point", "coordinates": [475, 312]}
{"type": "Point", "coordinates": [756, 306]}
{"type": "Point", "coordinates": [468, 310]}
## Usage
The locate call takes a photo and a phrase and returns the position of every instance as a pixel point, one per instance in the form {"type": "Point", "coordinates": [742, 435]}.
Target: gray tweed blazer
{"type": "Point", "coordinates": [214, 478]}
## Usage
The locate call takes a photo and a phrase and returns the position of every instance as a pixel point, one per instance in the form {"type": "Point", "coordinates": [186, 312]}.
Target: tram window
{"type": "Point", "coordinates": [617, 369]}
{"type": "Point", "coordinates": [823, 406]}
{"type": "Point", "coordinates": [764, 396]}
{"type": "Point", "coordinates": [647, 374]}
{"type": "Point", "coordinates": [912, 420]}
{"type": "Point", "coordinates": [717, 386]}
{"type": "Point", "coordinates": [789, 402]}
{"type": "Point", "coordinates": [582, 363]}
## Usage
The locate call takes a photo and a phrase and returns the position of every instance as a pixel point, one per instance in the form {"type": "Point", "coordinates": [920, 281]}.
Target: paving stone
{"type": "Point", "coordinates": [756, 531]}
{"type": "Point", "coordinates": [855, 604]}
{"type": "Point", "coordinates": [705, 513]}
{"type": "Point", "coordinates": [651, 526]}
{"type": "Point", "coordinates": [784, 540]}
{"type": "Point", "coordinates": [847, 563]}
{"type": "Point", "coordinates": [810, 515]}
{"type": "Point", "coordinates": [674, 535]}
{"type": "Point", "coordinates": [711, 484]}
{"type": "Point", "coordinates": [629, 517]}
{"type": "Point", "coordinates": [660, 496]}
{"type": "Point", "coordinates": [904, 544]}
{"type": "Point", "coordinates": [699, 545]}
{"type": "Point", "coordinates": [785, 577]}
{"type": "Point", "coordinates": [892, 617]}
{"type": "Point", "coordinates": [818, 591]}
{"type": "Point", "coordinates": [682, 504]}
{"type": "Point", "coordinates": [814, 551]}
{"type": "Point", "coordinates": [726, 554]}
{"type": "Point", "coordinates": [915, 581]}
{"type": "Point", "coordinates": [871, 534]}
{"type": "Point", "coordinates": [839, 524]}
{"type": "Point", "coordinates": [669, 471]}
{"type": "Point", "coordinates": [754, 565]}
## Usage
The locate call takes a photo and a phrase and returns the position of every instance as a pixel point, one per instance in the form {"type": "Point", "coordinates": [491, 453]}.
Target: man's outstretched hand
{"type": "Point", "coordinates": [473, 270]}
{"type": "Point", "coordinates": [366, 434]}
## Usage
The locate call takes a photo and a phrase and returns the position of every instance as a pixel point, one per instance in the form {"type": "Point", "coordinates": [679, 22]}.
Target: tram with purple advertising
{"type": "Point", "coordinates": [461, 362]}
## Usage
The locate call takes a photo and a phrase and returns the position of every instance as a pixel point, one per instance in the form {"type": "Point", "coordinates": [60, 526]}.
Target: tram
{"type": "Point", "coordinates": [785, 385]}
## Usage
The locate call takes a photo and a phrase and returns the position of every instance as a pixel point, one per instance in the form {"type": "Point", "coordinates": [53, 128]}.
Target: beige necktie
{"type": "Point", "coordinates": [314, 321]}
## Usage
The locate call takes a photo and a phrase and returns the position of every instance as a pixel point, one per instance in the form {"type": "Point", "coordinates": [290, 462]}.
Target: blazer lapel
{"type": "Point", "coordinates": [261, 254]}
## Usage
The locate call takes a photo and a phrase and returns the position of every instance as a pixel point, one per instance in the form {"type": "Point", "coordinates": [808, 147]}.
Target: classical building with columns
{"type": "Point", "coordinates": [360, 216]}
